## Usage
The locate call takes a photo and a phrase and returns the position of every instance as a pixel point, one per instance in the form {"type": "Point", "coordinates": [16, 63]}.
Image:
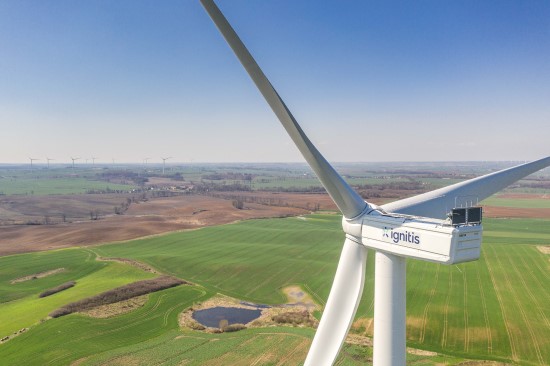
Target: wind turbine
{"type": "Point", "coordinates": [93, 160]}
{"type": "Point", "coordinates": [381, 228]}
{"type": "Point", "coordinates": [48, 160]}
{"type": "Point", "coordinates": [32, 159]}
{"type": "Point", "coordinates": [145, 160]}
{"type": "Point", "coordinates": [164, 163]}
{"type": "Point", "coordinates": [73, 159]}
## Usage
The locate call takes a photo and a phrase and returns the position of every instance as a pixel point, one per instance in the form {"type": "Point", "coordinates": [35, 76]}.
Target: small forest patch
{"type": "Point", "coordinates": [297, 317]}
{"type": "Point", "coordinates": [119, 294]}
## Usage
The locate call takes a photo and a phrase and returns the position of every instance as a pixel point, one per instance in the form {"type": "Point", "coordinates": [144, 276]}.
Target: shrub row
{"type": "Point", "coordinates": [233, 328]}
{"type": "Point", "coordinates": [118, 294]}
{"type": "Point", "coordinates": [294, 317]}
{"type": "Point", "coordinates": [57, 289]}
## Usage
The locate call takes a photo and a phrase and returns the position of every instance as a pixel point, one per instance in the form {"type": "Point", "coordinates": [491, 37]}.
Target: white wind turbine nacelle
{"type": "Point", "coordinates": [424, 216]}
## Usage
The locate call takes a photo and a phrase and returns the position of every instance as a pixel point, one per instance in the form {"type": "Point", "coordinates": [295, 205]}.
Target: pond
{"type": "Point", "coordinates": [212, 317]}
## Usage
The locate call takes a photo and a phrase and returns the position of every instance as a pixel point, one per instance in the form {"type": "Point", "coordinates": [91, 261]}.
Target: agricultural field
{"type": "Point", "coordinates": [144, 336]}
{"type": "Point", "coordinates": [519, 201]}
{"type": "Point", "coordinates": [468, 309]}
{"type": "Point", "coordinates": [63, 179]}
{"type": "Point", "coordinates": [52, 182]}
{"type": "Point", "coordinates": [493, 309]}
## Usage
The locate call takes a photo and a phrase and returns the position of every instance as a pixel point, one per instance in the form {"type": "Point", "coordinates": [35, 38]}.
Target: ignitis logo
{"type": "Point", "coordinates": [397, 236]}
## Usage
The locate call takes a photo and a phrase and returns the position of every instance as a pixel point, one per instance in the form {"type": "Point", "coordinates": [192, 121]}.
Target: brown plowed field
{"type": "Point", "coordinates": [515, 212]}
{"type": "Point", "coordinates": [156, 216]}
{"type": "Point", "coordinates": [159, 215]}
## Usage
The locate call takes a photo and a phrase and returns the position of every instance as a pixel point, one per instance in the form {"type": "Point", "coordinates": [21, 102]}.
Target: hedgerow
{"type": "Point", "coordinates": [57, 289]}
{"type": "Point", "coordinates": [118, 294]}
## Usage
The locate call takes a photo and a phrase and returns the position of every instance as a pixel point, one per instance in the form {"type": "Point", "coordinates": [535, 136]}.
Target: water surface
{"type": "Point", "coordinates": [212, 317]}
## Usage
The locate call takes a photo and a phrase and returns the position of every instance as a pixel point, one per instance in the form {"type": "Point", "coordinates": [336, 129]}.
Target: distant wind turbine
{"type": "Point", "coordinates": [164, 163]}
{"type": "Point", "coordinates": [73, 159]}
{"type": "Point", "coordinates": [48, 160]}
{"type": "Point", "coordinates": [32, 159]}
{"type": "Point", "coordinates": [93, 160]}
{"type": "Point", "coordinates": [145, 160]}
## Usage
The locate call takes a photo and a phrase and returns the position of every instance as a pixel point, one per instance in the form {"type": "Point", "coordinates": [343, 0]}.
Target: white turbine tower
{"type": "Point", "coordinates": [164, 163]}
{"type": "Point", "coordinates": [145, 160]}
{"type": "Point", "coordinates": [48, 160]}
{"type": "Point", "coordinates": [93, 160]}
{"type": "Point", "coordinates": [73, 159]}
{"type": "Point", "coordinates": [437, 232]}
{"type": "Point", "coordinates": [33, 159]}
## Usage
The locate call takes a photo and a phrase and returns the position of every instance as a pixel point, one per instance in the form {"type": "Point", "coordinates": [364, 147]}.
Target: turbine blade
{"type": "Point", "coordinates": [347, 200]}
{"type": "Point", "coordinates": [341, 305]}
{"type": "Point", "coordinates": [439, 202]}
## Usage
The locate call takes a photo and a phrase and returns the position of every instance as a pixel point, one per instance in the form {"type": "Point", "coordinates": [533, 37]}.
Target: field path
{"type": "Point", "coordinates": [445, 335]}
{"type": "Point", "coordinates": [268, 280]}
{"type": "Point", "coordinates": [529, 327]}
{"type": "Point", "coordinates": [466, 327]}
{"type": "Point", "coordinates": [304, 344]}
{"type": "Point", "coordinates": [485, 311]}
{"type": "Point", "coordinates": [527, 252]}
{"type": "Point", "coordinates": [502, 310]}
{"type": "Point", "coordinates": [314, 294]}
{"type": "Point", "coordinates": [427, 307]}
{"type": "Point", "coordinates": [518, 302]}
{"type": "Point", "coordinates": [528, 288]}
{"type": "Point", "coordinates": [230, 277]}
{"type": "Point", "coordinates": [179, 354]}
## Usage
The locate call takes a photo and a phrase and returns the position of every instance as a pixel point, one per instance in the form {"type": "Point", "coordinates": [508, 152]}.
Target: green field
{"type": "Point", "coordinates": [63, 179]}
{"type": "Point", "coordinates": [497, 308]}
{"type": "Point", "coordinates": [30, 185]}
{"type": "Point", "coordinates": [517, 202]}
{"type": "Point", "coordinates": [21, 307]}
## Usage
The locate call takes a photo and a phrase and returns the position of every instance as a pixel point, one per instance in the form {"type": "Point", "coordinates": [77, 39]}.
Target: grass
{"type": "Point", "coordinates": [76, 263]}
{"type": "Point", "coordinates": [29, 310]}
{"type": "Point", "coordinates": [451, 309]}
{"type": "Point", "coordinates": [222, 258]}
{"type": "Point", "coordinates": [516, 202]}
{"type": "Point", "coordinates": [495, 308]}
{"type": "Point", "coordinates": [278, 345]}
{"type": "Point", "coordinates": [516, 231]}
{"type": "Point", "coordinates": [62, 340]}
{"type": "Point", "coordinates": [31, 185]}
{"type": "Point", "coordinates": [118, 294]}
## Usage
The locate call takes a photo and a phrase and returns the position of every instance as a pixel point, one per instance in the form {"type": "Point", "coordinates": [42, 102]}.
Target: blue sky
{"type": "Point", "coordinates": [368, 81]}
